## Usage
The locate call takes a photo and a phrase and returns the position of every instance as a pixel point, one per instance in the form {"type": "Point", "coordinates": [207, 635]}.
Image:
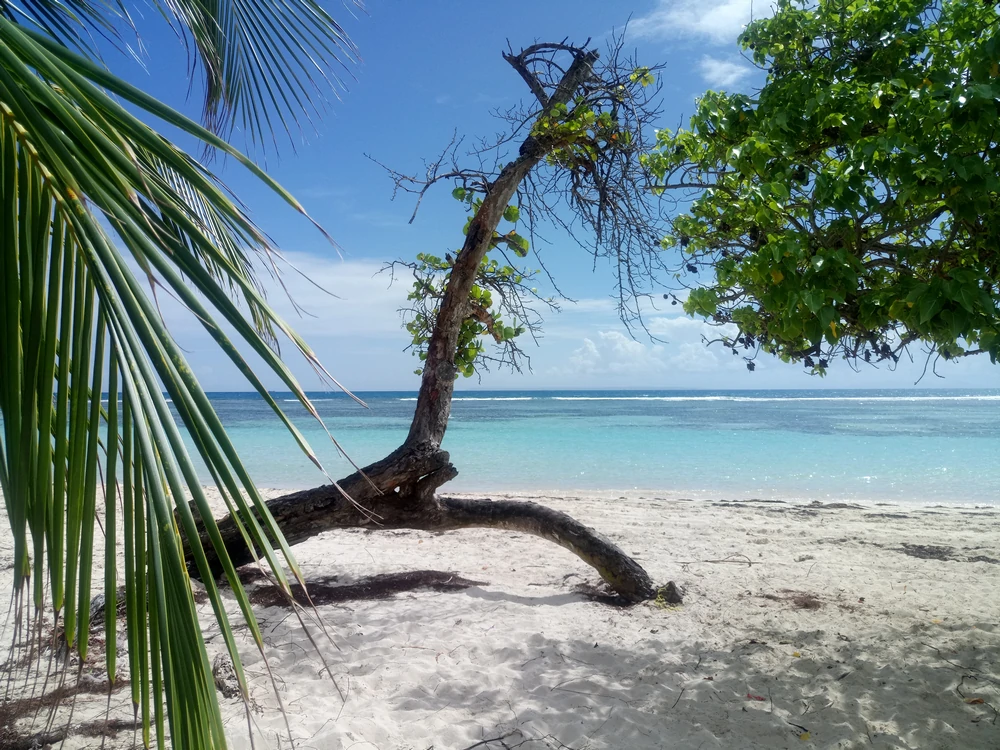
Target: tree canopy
{"type": "Point", "coordinates": [849, 207]}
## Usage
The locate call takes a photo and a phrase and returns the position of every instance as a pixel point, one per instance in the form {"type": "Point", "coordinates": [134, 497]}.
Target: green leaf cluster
{"type": "Point", "coordinates": [642, 76]}
{"type": "Point", "coordinates": [576, 136]}
{"type": "Point", "coordinates": [431, 275]}
{"type": "Point", "coordinates": [852, 206]}
{"type": "Point", "coordinates": [90, 192]}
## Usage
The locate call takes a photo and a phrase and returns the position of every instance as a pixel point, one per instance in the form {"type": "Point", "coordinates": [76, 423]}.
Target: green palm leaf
{"type": "Point", "coordinates": [263, 63]}
{"type": "Point", "coordinates": [89, 192]}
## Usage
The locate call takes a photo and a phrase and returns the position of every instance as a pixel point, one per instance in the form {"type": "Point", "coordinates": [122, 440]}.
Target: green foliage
{"type": "Point", "coordinates": [493, 279]}
{"type": "Point", "coordinates": [642, 76]}
{"type": "Point", "coordinates": [852, 206]}
{"type": "Point", "coordinates": [578, 135]}
{"type": "Point", "coordinates": [575, 137]}
{"type": "Point", "coordinates": [88, 192]}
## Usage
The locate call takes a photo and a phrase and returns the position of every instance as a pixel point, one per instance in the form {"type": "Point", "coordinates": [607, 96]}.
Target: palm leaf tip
{"type": "Point", "coordinates": [265, 64]}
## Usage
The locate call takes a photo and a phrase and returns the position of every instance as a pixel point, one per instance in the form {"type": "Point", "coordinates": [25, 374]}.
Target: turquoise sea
{"type": "Point", "coordinates": [898, 446]}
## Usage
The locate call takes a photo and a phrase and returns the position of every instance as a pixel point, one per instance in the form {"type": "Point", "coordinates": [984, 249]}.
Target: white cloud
{"type": "Point", "coordinates": [364, 302]}
{"type": "Point", "coordinates": [614, 353]}
{"type": "Point", "coordinates": [357, 334]}
{"type": "Point", "coordinates": [359, 337]}
{"type": "Point", "coordinates": [332, 297]}
{"type": "Point", "coordinates": [720, 21]}
{"type": "Point", "coordinates": [593, 305]}
{"type": "Point", "coordinates": [688, 352]}
{"type": "Point", "coordinates": [676, 329]}
{"type": "Point", "coordinates": [722, 74]}
{"type": "Point", "coordinates": [691, 357]}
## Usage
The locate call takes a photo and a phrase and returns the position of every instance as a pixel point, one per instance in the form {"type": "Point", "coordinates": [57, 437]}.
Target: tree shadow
{"type": "Point", "coordinates": [427, 655]}
{"type": "Point", "coordinates": [322, 590]}
{"type": "Point", "coordinates": [754, 694]}
{"type": "Point", "coordinates": [332, 590]}
{"type": "Point", "coordinates": [475, 668]}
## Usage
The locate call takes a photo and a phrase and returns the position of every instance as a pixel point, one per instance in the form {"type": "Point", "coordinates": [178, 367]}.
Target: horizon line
{"type": "Point", "coordinates": [629, 389]}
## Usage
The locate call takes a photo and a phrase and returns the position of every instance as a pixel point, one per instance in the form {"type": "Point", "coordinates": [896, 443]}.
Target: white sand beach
{"type": "Point", "coordinates": [803, 626]}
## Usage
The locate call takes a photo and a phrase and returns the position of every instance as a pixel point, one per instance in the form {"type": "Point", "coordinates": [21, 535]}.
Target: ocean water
{"type": "Point", "coordinates": [896, 446]}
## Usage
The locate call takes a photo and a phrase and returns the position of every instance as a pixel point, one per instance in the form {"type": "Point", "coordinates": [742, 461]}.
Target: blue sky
{"type": "Point", "coordinates": [432, 68]}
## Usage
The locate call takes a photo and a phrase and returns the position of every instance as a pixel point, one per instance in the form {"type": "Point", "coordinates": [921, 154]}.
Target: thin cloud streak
{"type": "Point", "coordinates": [722, 74]}
{"type": "Point", "coordinates": [718, 21]}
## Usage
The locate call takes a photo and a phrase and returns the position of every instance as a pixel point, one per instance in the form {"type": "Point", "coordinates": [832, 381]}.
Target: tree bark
{"type": "Point", "coordinates": [430, 420]}
{"type": "Point", "coordinates": [408, 479]}
{"type": "Point", "coordinates": [398, 492]}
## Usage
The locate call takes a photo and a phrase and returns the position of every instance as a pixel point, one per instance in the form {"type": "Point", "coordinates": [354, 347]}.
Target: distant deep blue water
{"type": "Point", "coordinates": [898, 446]}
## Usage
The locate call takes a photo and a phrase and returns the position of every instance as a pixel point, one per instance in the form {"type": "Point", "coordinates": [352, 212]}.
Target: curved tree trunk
{"type": "Point", "coordinates": [398, 492]}
{"type": "Point", "coordinates": [430, 420]}
{"type": "Point", "coordinates": [408, 479]}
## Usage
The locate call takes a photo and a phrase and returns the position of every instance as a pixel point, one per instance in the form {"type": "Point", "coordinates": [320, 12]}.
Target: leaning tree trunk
{"type": "Point", "coordinates": [407, 479]}
{"type": "Point", "coordinates": [399, 492]}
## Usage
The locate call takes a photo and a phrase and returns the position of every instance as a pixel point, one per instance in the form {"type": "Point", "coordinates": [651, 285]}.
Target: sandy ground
{"type": "Point", "coordinates": [803, 626]}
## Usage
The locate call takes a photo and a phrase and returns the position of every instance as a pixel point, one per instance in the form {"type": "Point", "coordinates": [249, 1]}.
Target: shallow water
{"type": "Point", "coordinates": [898, 446]}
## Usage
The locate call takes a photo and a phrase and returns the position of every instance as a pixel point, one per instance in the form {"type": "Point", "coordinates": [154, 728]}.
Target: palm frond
{"type": "Point", "coordinates": [72, 22]}
{"type": "Point", "coordinates": [89, 192]}
{"type": "Point", "coordinates": [264, 63]}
